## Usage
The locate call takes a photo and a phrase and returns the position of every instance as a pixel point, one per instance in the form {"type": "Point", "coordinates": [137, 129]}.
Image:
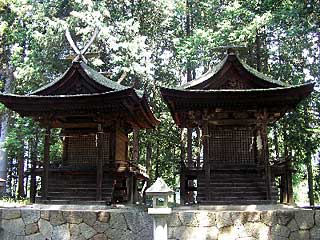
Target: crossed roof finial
{"type": "Point", "coordinates": [230, 49]}
{"type": "Point", "coordinates": [82, 52]}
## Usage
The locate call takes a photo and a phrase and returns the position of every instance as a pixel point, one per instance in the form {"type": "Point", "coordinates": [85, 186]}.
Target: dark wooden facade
{"type": "Point", "coordinates": [95, 116]}
{"type": "Point", "coordinates": [231, 106]}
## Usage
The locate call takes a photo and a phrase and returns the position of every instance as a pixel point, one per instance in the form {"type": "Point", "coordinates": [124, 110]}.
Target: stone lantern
{"type": "Point", "coordinates": [2, 186]}
{"type": "Point", "coordinates": [160, 210]}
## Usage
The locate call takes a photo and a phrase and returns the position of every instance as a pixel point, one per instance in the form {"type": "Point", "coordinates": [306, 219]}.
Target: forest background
{"type": "Point", "coordinates": [147, 44]}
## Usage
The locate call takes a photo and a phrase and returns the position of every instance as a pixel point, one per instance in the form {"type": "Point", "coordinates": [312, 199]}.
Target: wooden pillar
{"type": "Point", "coordinates": [205, 131]}
{"type": "Point", "coordinates": [46, 163]}
{"type": "Point", "coordinates": [135, 145]}
{"type": "Point", "coordinates": [182, 186]}
{"type": "Point", "coordinates": [65, 150]}
{"type": "Point", "coordinates": [263, 151]}
{"type": "Point", "coordinates": [134, 190]}
{"type": "Point", "coordinates": [289, 182]}
{"type": "Point", "coordinates": [283, 188]}
{"type": "Point", "coordinates": [182, 169]}
{"type": "Point", "coordinates": [99, 163]}
{"type": "Point", "coordinates": [131, 188]}
{"type": "Point", "coordinates": [189, 147]}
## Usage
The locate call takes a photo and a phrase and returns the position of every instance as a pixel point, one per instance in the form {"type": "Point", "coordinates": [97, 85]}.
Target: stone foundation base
{"type": "Point", "coordinates": [220, 223]}
{"type": "Point", "coordinates": [44, 224]}
{"type": "Point", "coordinates": [260, 224]}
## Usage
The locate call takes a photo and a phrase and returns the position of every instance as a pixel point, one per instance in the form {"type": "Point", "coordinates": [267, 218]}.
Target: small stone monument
{"type": "Point", "coordinates": [160, 210]}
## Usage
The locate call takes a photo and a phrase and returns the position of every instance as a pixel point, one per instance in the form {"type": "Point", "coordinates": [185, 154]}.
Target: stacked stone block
{"type": "Point", "coordinates": [30, 224]}
{"type": "Point", "coordinates": [245, 225]}
{"type": "Point", "coordinates": [127, 224]}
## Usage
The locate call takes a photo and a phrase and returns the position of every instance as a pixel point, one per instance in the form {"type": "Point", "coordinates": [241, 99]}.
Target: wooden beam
{"type": "Point", "coordinates": [46, 162]}
{"type": "Point", "coordinates": [58, 124]}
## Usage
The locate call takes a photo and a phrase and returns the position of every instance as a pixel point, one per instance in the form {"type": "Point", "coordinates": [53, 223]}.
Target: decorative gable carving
{"type": "Point", "coordinates": [231, 78]}
{"type": "Point", "coordinates": [235, 83]}
{"type": "Point", "coordinates": [76, 81]}
{"type": "Point", "coordinates": [76, 85]}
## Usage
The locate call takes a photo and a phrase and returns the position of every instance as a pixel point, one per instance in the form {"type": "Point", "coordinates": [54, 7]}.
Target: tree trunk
{"type": "Point", "coordinates": [182, 167]}
{"type": "Point", "coordinates": [148, 158]}
{"type": "Point", "coordinates": [5, 125]}
{"type": "Point", "coordinates": [308, 159]}
{"type": "Point", "coordinates": [21, 193]}
{"type": "Point", "coordinates": [188, 34]}
{"type": "Point", "coordinates": [33, 158]}
{"type": "Point", "coordinates": [276, 141]}
{"type": "Point", "coordinates": [157, 173]}
{"type": "Point", "coordinates": [310, 178]}
{"type": "Point", "coordinates": [258, 51]}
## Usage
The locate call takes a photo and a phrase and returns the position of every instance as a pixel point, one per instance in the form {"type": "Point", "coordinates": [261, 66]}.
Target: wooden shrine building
{"type": "Point", "coordinates": [95, 116]}
{"type": "Point", "coordinates": [232, 105]}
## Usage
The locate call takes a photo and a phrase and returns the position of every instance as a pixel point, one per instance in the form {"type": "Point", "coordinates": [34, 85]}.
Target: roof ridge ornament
{"type": "Point", "coordinates": [230, 49]}
{"type": "Point", "coordinates": [82, 52]}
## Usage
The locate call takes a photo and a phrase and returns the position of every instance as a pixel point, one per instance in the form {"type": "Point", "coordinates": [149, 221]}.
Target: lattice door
{"type": "Point", "coordinates": [81, 150]}
{"type": "Point", "coordinates": [231, 146]}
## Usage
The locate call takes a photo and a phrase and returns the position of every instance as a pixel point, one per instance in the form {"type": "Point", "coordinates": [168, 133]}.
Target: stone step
{"type": "Point", "coordinates": [77, 190]}
{"type": "Point", "coordinates": [231, 190]}
{"type": "Point", "coordinates": [214, 179]}
{"type": "Point", "coordinates": [81, 197]}
{"type": "Point", "coordinates": [73, 197]}
{"type": "Point", "coordinates": [232, 184]}
{"type": "Point", "coordinates": [236, 196]}
{"type": "Point", "coordinates": [65, 202]}
{"type": "Point", "coordinates": [234, 174]}
{"type": "Point", "coordinates": [238, 202]}
{"type": "Point", "coordinates": [89, 184]}
{"type": "Point", "coordinates": [79, 184]}
{"type": "Point", "coordinates": [225, 195]}
{"type": "Point", "coordinates": [78, 181]}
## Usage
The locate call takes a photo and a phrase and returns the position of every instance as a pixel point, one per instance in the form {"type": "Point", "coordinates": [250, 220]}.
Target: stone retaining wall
{"type": "Point", "coordinates": [127, 224]}
{"type": "Point", "coordinates": [293, 224]}
{"type": "Point", "coordinates": [30, 224]}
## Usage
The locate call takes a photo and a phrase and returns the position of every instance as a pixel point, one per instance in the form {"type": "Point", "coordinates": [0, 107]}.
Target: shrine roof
{"type": "Point", "coordinates": [208, 92]}
{"type": "Point", "coordinates": [304, 89]}
{"type": "Point", "coordinates": [232, 86]}
{"type": "Point", "coordinates": [125, 103]}
{"type": "Point", "coordinates": [82, 90]}
{"type": "Point", "coordinates": [280, 99]}
{"type": "Point", "coordinates": [232, 69]}
{"type": "Point", "coordinates": [80, 74]}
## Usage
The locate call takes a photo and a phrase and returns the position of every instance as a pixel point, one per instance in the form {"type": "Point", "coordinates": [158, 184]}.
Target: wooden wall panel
{"type": "Point", "coordinates": [121, 145]}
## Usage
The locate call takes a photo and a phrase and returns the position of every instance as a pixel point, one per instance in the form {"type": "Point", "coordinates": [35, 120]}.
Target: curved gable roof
{"type": "Point", "coordinates": [232, 68]}
{"type": "Point", "coordinates": [79, 78]}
